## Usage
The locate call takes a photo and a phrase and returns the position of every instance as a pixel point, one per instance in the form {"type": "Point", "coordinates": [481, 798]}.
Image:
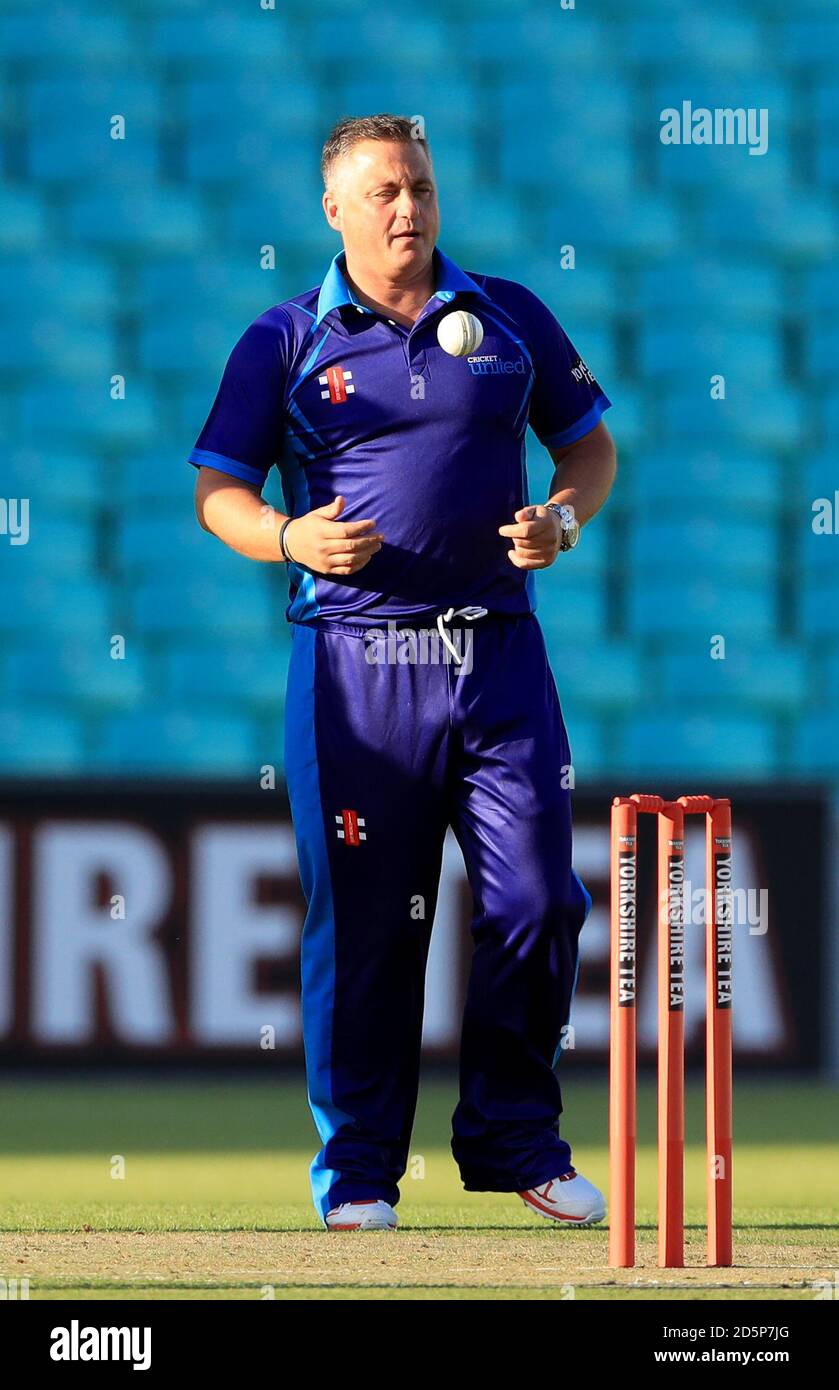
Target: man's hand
{"type": "Point", "coordinates": [328, 546]}
{"type": "Point", "coordinates": [536, 537]}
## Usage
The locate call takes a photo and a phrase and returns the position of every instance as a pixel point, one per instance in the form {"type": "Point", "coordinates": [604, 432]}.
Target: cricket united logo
{"type": "Point", "coordinates": [338, 385]}
{"type": "Point", "coordinates": [349, 827]}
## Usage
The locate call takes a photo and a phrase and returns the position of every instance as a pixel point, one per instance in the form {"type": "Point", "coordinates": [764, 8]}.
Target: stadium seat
{"type": "Point", "coordinates": [44, 743]}
{"type": "Point", "coordinates": [818, 599]}
{"type": "Point", "coordinates": [733, 44]}
{"type": "Point", "coordinates": [701, 345]}
{"type": "Point", "coordinates": [577, 609]}
{"type": "Point", "coordinates": [686, 473]}
{"type": "Point", "coordinates": [745, 292]}
{"type": "Point", "coordinates": [177, 742]}
{"type": "Point", "coordinates": [228, 675]}
{"type": "Point", "coordinates": [77, 413]}
{"type": "Point", "coordinates": [200, 604]}
{"type": "Point", "coordinates": [814, 751]}
{"type": "Point", "coordinates": [143, 220]}
{"type": "Point", "coordinates": [682, 745]}
{"type": "Point", "coordinates": [771, 677]}
{"type": "Point", "coordinates": [81, 672]}
{"type": "Point", "coordinates": [757, 416]}
{"type": "Point", "coordinates": [171, 546]}
{"type": "Point", "coordinates": [225, 39]}
{"type": "Point", "coordinates": [722, 545]}
{"type": "Point", "coordinates": [56, 545]}
{"type": "Point", "coordinates": [606, 677]}
{"type": "Point", "coordinates": [675, 604]}
{"type": "Point", "coordinates": [69, 606]}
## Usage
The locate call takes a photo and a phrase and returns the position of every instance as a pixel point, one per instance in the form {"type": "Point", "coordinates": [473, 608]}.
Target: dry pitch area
{"type": "Point", "coordinates": [213, 1203]}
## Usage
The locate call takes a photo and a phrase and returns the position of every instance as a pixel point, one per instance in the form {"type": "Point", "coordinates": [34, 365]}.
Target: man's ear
{"type": "Point", "coordinates": [331, 211]}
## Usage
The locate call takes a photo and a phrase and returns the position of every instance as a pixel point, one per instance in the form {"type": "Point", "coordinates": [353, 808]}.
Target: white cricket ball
{"type": "Point", "coordinates": [460, 333]}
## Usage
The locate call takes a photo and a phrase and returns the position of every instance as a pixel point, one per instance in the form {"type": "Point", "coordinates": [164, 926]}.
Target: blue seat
{"type": "Point", "coordinates": [587, 743]}
{"type": "Point", "coordinates": [674, 604]}
{"type": "Point", "coordinates": [773, 676]}
{"type": "Point", "coordinates": [707, 347]}
{"type": "Point", "coordinates": [818, 601]}
{"type": "Point", "coordinates": [215, 103]}
{"type": "Point", "coordinates": [576, 608]}
{"type": "Point", "coordinates": [798, 224]}
{"type": "Point", "coordinates": [177, 741]}
{"type": "Point", "coordinates": [681, 745]}
{"type": "Point", "coordinates": [686, 473]}
{"type": "Point", "coordinates": [358, 41]}
{"type": "Point", "coordinates": [684, 41]}
{"type": "Point", "coordinates": [68, 606]}
{"type": "Point", "coordinates": [170, 341]}
{"type": "Point", "coordinates": [821, 348]}
{"type": "Point", "coordinates": [827, 162]}
{"type": "Point", "coordinates": [527, 156]}
{"type": "Point", "coordinates": [204, 604]}
{"type": "Point", "coordinates": [155, 476]}
{"type": "Point", "coordinates": [75, 285]}
{"type": "Point", "coordinates": [24, 218]}
{"type": "Point", "coordinates": [661, 543]}
{"type": "Point", "coordinates": [814, 749]}
{"type": "Point", "coordinates": [829, 411]}
{"type": "Point", "coordinates": [245, 675]}
{"type": "Point", "coordinates": [820, 292]}
{"type": "Point", "coordinates": [587, 292]}
{"type": "Point", "coordinates": [69, 132]}
{"type": "Point", "coordinates": [73, 482]}
{"type": "Point", "coordinates": [45, 411]}
{"type": "Point", "coordinates": [139, 219]}
{"type": "Point", "coordinates": [832, 675]}
{"type": "Point", "coordinates": [663, 294]}
{"type": "Point", "coordinates": [45, 743]}
{"type": "Point", "coordinates": [499, 228]}
{"type": "Point", "coordinates": [53, 342]}
{"type": "Point", "coordinates": [177, 547]}
{"type": "Point", "coordinates": [79, 671]}
{"type": "Point", "coordinates": [809, 43]}
{"type": "Point", "coordinates": [225, 38]}
{"type": "Point", "coordinates": [57, 545]}
{"type": "Point", "coordinates": [762, 418]}
{"type": "Point", "coordinates": [42, 36]}
{"type": "Point", "coordinates": [292, 218]}
{"type": "Point", "coordinates": [607, 676]}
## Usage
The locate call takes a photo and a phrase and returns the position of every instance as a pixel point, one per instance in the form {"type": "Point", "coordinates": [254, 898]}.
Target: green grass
{"type": "Point", "coordinates": [214, 1202]}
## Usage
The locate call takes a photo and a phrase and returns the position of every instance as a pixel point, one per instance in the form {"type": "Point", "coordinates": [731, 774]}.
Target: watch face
{"type": "Point", "coordinates": [572, 535]}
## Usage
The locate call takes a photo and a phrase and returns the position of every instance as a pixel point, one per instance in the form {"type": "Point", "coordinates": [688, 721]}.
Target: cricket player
{"type": "Point", "coordinates": [419, 694]}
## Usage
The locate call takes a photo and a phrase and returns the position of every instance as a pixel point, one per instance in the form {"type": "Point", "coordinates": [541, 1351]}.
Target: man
{"type": "Point", "coordinates": [403, 471]}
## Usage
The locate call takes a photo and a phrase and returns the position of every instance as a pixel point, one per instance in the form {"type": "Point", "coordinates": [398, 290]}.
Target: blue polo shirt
{"type": "Point", "coordinates": [432, 447]}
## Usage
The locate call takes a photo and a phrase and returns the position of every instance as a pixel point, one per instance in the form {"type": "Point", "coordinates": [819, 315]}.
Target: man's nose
{"type": "Point", "coordinates": [407, 205]}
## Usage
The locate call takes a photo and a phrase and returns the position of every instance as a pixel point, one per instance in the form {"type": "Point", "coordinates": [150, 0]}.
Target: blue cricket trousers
{"type": "Point", "coordinates": [381, 757]}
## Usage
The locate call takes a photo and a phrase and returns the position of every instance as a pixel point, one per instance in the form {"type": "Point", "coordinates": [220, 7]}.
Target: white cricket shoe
{"type": "Point", "coordinates": [570, 1200]}
{"type": "Point", "coordinates": [369, 1214]}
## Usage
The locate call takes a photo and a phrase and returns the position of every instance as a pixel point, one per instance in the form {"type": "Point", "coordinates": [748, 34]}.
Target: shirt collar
{"type": "Point", "coordinates": [450, 280]}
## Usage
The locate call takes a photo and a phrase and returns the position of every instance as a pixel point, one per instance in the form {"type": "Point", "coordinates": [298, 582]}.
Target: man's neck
{"type": "Point", "coordinates": [403, 301]}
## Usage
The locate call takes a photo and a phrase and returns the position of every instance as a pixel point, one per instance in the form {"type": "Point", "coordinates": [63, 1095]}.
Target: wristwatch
{"type": "Point", "coordinates": [569, 523]}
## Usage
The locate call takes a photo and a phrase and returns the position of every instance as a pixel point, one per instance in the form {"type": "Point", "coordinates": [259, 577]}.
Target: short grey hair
{"type": "Point", "coordinates": [350, 132]}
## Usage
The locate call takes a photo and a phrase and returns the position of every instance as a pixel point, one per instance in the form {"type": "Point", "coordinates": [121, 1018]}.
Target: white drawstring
{"type": "Point", "coordinates": [470, 613]}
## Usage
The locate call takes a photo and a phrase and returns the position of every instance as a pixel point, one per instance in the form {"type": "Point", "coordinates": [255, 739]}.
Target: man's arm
{"type": "Point", "coordinates": [235, 511]}
{"type": "Point", "coordinates": [584, 473]}
{"type": "Point", "coordinates": [583, 476]}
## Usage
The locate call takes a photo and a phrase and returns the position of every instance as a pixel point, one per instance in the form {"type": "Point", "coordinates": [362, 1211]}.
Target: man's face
{"type": "Point", "coordinates": [383, 201]}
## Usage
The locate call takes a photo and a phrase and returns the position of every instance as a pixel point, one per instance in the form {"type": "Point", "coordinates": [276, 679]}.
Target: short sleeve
{"type": "Point", "coordinates": [567, 401]}
{"type": "Point", "coordinates": [244, 429]}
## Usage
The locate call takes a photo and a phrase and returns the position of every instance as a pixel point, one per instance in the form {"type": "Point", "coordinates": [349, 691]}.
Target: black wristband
{"type": "Point", "coordinates": [283, 550]}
